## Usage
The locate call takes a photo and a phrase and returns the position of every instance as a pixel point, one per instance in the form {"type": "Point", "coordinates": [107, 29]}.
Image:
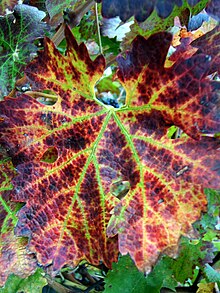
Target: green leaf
{"type": "Point", "coordinates": [211, 274]}
{"type": "Point", "coordinates": [169, 272]}
{"type": "Point", "coordinates": [162, 276]}
{"type": "Point", "coordinates": [31, 284]}
{"type": "Point", "coordinates": [125, 278]}
{"type": "Point", "coordinates": [192, 254]}
{"type": "Point", "coordinates": [209, 226]}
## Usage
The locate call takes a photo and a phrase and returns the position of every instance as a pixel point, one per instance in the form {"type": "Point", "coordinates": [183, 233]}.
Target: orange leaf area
{"type": "Point", "coordinates": [71, 155]}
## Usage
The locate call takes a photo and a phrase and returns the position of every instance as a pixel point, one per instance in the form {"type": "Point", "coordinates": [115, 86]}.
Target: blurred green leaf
{"type": "Point", "coordinates": [31, 284]}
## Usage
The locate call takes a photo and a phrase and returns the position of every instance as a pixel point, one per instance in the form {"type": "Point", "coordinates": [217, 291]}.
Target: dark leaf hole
{"type": "Point", "coordinates": [47, 97]}
{"type": "Point", "coordinates": [174, 132]}
{"type": "Point", "coordinates": [110, 92]}
{"type": "Point", "coordinates": [120, 188]}
{"type": "Point", "coordinates": [50, 156]}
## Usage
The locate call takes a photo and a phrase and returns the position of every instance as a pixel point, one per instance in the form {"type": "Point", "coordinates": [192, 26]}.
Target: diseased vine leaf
{"type": "Point", "coordinates": [141, 9]}
{"type": "Point", "coordinates": [69, 201]}
{"type": "Point", "coordinates": [175, 91]}
{"type": "Point", "coordinates": [17, 34]}
{"type": "Point", "coordinates": [73, 217]}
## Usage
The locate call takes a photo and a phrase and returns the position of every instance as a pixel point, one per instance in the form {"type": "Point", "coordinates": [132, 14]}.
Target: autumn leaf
{"type": "Point", "coordinates": [113, 171]}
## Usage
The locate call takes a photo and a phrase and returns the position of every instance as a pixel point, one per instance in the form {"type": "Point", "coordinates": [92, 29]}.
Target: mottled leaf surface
{"type": "Point", "coordinates": [141, 9]}
{"type": "Point", "coordinates": [14, 258]}
{"type": "Point", "coordinates": [17, 34]}
{"type": "Point", "coordinates": [69, 201]}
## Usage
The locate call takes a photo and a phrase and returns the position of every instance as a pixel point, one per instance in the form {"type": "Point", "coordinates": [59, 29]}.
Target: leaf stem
{"type": "Point", "coordinates": [36, 95]}
{"type": "Point", "coordinates": [98, 28]}
{"type": "Point", "coordinates": [74, 18]}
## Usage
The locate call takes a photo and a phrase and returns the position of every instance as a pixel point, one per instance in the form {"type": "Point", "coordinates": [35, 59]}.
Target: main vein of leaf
{"type": "Point", "coordinates": [77, 188]}
{"type": "Point", "coordinates": [137, 159]}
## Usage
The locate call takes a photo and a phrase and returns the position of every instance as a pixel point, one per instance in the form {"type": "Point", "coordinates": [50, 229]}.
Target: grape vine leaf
{"type": "Point", "coordinates": [55, 9]}
{"type": "Point", "coordinates": [14, 258]}
{"type": "Point", "coordinates": [18, 31]}
{"type": "Point", "coordinates": [142, 9]}
{"type": "Point", "coordinates": [70, 200]}
{"type": "Point", "coordinates": [31, 284]}
{"type": "Point", "coordinates": [205, 287]}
